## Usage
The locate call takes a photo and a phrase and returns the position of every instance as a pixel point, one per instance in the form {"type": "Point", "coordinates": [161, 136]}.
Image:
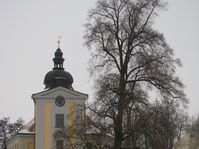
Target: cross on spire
{"type": "Point", "coordinates": [58, 41]}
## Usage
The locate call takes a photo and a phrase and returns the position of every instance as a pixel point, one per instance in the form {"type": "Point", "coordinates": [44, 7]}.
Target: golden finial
{"type": "Point", "coordinates": [58, 41]}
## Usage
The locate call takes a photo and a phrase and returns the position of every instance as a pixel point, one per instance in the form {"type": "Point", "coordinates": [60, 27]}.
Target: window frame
{"type": "Point", "coordinates": [59, 120]}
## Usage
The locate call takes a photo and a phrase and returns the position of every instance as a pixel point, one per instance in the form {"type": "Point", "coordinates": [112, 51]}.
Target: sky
{"type": "Point", "coordinates": [29, 31]}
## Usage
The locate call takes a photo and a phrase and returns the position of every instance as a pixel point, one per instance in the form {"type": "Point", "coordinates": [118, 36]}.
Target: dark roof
{"type": "Point", "coordinates": [58, 77]}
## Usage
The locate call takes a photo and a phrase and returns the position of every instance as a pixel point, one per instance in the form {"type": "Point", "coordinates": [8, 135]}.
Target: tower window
{"type": "Point", "coordinates": [59, 120]}
{"type": "Point", "coordinates": [59, 144]}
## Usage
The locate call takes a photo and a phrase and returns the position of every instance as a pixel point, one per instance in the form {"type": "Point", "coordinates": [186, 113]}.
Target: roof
{"type": "Point", "coordinates": [28, 129]}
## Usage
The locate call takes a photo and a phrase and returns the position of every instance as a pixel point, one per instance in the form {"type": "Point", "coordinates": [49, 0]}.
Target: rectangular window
{"type": "Point", "coordinates": [59, 120]}
{"type": "Point", "coordinates": [59, 144]}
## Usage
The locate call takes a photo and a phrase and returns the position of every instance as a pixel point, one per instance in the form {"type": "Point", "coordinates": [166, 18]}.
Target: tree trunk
{"type": "Point", "coordinates": [118, 130]}
{"type": "Point", "coordinates": [118, 126]}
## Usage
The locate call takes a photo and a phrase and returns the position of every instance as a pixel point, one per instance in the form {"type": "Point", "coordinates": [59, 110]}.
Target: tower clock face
{"type": "Point", "coordinates": [60, 101]}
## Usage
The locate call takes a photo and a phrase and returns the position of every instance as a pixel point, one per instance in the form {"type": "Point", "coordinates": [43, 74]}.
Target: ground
{"type": "Point", "coordinates": [189, 141]}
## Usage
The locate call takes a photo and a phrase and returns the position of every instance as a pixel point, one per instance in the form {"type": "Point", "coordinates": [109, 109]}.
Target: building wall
{"type": "Point", "coordinates": [21, 141]}
{"type": "Point", "coordinates": [45, 117]}
{"type": "Point", "coordinates": [45, 111]}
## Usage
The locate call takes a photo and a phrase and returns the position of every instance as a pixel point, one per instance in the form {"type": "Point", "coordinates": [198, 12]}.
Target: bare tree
{"type": "Point", "coordinates": [166, 122]}
{"type": "Point", "coordinates": [4, 129]}
{"type": "Point", "coordinates": [7, 129]}
{"type": "Point", "coordinates": [128, 56]}
{"type": "Point", "coordinates": [194, 126]}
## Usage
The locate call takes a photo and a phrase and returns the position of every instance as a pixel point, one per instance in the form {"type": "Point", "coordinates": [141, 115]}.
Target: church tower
{"type": "Point", "coordinates": [58, 109]}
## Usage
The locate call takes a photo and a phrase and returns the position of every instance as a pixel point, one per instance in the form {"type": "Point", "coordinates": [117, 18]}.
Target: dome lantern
{"type": "Point", "coordinates": [58, 60]}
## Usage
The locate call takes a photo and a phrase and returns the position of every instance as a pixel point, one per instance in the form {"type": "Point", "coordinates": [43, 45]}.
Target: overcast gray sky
{"type": "Point", "coordinates": [28, 36]}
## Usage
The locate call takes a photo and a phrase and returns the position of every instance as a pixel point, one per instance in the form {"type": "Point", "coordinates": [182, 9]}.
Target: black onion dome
{"type": "Point", "coordinates": [58, 77]}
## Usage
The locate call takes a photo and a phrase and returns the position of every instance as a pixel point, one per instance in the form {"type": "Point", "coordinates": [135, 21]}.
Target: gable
{"type": "Point", "coordinates": [53, 93]}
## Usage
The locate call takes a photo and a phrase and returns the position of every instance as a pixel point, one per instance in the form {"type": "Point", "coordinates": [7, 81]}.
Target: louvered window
{"type": "Point", "coordinates": [59, 118]}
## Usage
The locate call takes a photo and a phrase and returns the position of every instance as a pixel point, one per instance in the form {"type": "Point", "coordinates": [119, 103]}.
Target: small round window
{"type": "Point", "coordinates": [60, 101]}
